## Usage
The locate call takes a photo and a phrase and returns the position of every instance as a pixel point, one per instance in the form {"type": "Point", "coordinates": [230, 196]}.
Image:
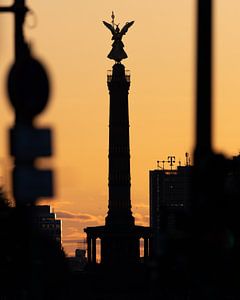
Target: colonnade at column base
{"type": "Point", "coordinates": [118, 245]}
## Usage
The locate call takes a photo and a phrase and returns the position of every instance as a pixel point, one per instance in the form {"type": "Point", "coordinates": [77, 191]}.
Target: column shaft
{"type": "Point", "coordinates": [146, 248]}
{"type": "Point", "coordinates": [89, 250]}
{"type": "Point", "coordinates": [94, 258]}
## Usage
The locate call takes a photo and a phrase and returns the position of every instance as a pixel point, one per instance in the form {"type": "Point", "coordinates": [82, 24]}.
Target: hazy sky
{"type": "Point", "coordinates": [73, 43]}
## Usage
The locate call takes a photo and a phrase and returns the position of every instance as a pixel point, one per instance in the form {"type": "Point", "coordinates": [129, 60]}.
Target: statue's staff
{"type": "Point", "coordinates": [113, 17]}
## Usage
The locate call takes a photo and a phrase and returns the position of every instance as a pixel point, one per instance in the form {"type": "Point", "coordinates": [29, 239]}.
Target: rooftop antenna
{"type": "Point", "coordinates": [171, 160]}
{"type": "Point", "coordinates": [163, 162]}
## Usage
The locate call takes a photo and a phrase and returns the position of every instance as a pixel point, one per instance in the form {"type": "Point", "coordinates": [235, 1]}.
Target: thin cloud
{"type": "Point", "coordinates": [141, 205]}
{"type": "Point", "coordinates": [74, 241]}
{"type": "Point", "coordinates": [141, 219]}
{"type": "Point", "coordinates": [83, 217]}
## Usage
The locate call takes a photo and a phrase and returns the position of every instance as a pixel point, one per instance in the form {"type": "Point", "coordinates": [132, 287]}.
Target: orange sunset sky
{"type": "Point", "coordinates": [73, 44]}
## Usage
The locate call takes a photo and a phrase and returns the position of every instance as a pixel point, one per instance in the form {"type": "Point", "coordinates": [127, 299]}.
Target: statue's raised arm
{"type": "Point", "coordinates": [117, 53]}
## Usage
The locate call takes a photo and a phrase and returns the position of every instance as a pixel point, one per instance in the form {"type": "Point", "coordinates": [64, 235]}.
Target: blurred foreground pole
{"type": "Point", "coordinates": [203, 143]}
{"type": "Point", "coordinates": [28, 91]}
{"type": "Point", "coordinates": [215, 227]}
{"type": "Point", "coordinates": [205, 161]}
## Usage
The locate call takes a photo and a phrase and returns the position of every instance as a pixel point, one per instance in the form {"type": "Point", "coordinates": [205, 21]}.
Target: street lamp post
{"type": "Point", "coordinates": [28, 91]}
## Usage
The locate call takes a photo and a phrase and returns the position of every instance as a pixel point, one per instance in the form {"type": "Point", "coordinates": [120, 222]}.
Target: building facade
{"type": "Point", "coordinates": [169, 199]}
{"type": "Point", "coordinates": [44, 221]}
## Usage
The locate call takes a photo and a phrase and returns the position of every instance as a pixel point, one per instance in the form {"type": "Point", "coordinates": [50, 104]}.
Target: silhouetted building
{"type": "Point", "coordinates": [45, 222]}
{"type": "Point", "coordinates": [120, 237]}
{"type": "Point", "coordinates": [78, 262]}
{"type": "Point", "coordinates": [169, 197]}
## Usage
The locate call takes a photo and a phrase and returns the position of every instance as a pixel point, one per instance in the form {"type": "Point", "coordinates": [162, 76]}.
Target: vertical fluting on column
{"type": "Point", "coordinates": [119, 151]}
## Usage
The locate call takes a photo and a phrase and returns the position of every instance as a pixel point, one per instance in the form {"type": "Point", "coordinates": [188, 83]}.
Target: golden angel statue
{"type": "Point", "coordinates": [117, 53]}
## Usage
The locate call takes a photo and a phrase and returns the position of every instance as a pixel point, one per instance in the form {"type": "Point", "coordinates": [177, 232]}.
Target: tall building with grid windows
{"type": "Point", "coordinates": [169, 198]}
{"type": "Point", "coordinates": [44, 221]}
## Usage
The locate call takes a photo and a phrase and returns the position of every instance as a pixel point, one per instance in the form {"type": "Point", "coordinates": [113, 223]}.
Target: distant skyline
{"type": "Point", "coordinates": [73, 43]}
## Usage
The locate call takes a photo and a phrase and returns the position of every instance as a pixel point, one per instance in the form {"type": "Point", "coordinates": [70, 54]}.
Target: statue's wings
{"type": "Point", "coordinates": [109, 26]}
{"type": "Point", "coordinates": [126, 26]}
